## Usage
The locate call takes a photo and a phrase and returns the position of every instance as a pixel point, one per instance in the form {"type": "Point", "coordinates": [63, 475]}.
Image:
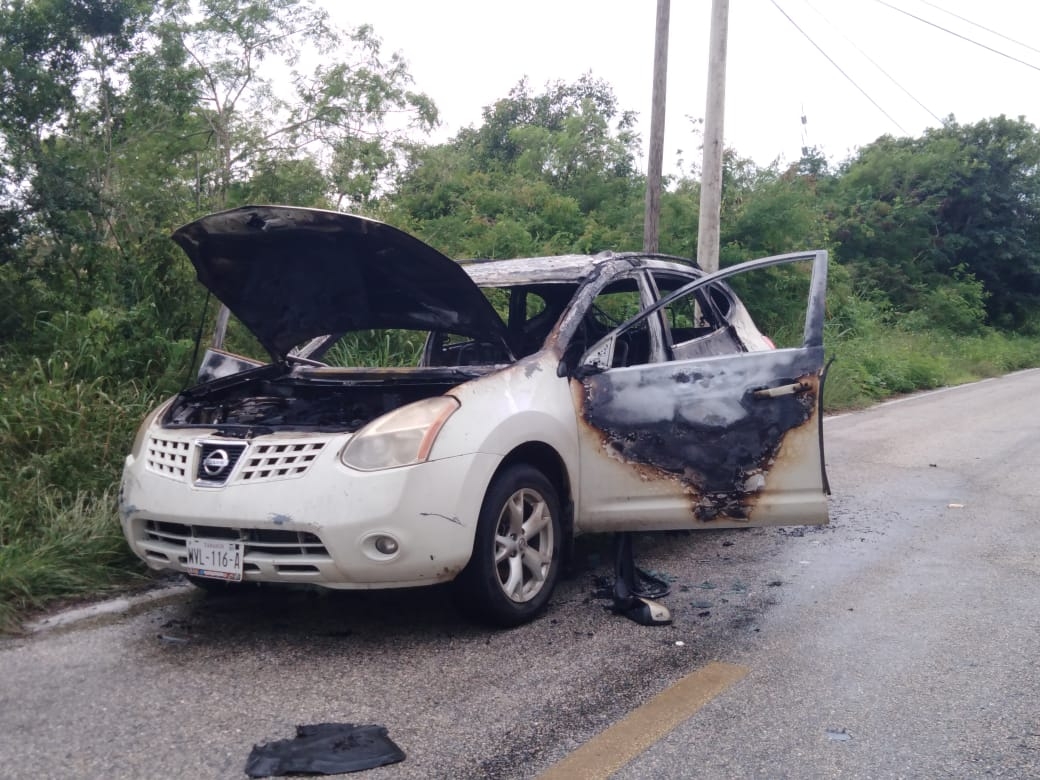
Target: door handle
{"type": "Point", "coordinates": [776, 392]}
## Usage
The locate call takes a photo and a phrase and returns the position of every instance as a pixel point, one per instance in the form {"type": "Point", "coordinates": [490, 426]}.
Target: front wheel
{"type": "Point", "coordinates": [516, 554]}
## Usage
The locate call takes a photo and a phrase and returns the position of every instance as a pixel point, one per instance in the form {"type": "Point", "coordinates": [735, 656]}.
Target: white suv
{"type": "Point", "coordinates": [549, 397]}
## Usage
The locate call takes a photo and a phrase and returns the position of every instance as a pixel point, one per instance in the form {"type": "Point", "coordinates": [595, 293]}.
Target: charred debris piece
{"type": "Point", "coordinates": [636, 591]}
{"type": "Point", "coordinates": [325, 749]}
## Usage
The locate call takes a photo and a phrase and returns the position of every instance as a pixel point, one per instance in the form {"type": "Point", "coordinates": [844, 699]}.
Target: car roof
{"type": "Point", "coordinates": [566, 268]}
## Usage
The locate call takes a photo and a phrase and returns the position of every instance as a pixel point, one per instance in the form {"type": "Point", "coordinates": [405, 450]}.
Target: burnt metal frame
{"type": "Point", "coordinates": [813, 332]}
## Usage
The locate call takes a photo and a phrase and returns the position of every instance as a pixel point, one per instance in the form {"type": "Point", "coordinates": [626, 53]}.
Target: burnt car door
{"type": "Point", "coordinates": [718, 428]}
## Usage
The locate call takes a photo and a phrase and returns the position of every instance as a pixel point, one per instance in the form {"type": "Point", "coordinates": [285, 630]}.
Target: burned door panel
{"type": "Point", "coordinates": [705, 429]}
{"type": "Point", "coordinates": [720, 439]}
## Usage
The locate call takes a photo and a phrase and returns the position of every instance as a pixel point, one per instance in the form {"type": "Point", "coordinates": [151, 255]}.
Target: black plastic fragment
{"type": "Point", "coordinates": [635, 589]}
{"type": "Point", "coordinates": [325, 749]}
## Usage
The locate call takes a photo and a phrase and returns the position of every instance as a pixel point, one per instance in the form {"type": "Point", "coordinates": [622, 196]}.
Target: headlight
{"type": "Point", "coordinates": [400, 438]}
{"type": "Point", "coordinates": [142, 430]}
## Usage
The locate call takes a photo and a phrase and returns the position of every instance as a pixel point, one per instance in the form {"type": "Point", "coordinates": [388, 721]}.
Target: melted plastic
{"type": "Point", "coordinates": [325, 749]}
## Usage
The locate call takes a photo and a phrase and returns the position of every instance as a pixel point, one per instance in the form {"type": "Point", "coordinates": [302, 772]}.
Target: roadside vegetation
{"type": "Point", "coordinates": [122, 119]}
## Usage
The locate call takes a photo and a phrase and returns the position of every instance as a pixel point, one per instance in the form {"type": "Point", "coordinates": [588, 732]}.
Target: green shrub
{"type": "Point", "coordinates": [65, 438]}
{"type": "Point", "coordinates": [893, 361]}
{"type": "Point", "coordinates": [70, 545]}
{"type": "Point", "coordinates": [377, 348]}
{"type": "Point", "coordinates": [957, 306]}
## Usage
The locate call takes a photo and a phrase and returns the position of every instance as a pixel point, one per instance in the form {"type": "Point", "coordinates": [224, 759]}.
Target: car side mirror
{"type": "Point", "coordinates": [596, 360]}
{"type": "Point", "coordinates": [601, 353]}
{"type": "Point", "coordinates": [587, 370]}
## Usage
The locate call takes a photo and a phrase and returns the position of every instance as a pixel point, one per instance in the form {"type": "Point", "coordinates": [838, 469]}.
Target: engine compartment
{"type": "Point", "coordinates": [305, 399]}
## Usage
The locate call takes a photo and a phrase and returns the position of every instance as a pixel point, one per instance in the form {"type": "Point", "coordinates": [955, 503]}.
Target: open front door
{"type": "Point", "coordinates": [719, 428]}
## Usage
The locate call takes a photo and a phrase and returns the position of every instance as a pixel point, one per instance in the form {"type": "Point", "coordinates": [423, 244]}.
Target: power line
{"type": "Point", "coordinates": [836, 65]}
{"type": "Point", "coordinates": [958, 35]}
{"type": "Point", "coordinates": [982, 27]}
{"type": "Point", "coordinates": [872, 62]}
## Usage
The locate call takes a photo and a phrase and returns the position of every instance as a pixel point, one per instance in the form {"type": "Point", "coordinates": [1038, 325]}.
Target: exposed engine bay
{"type": "Point", "coordinates": [337, 400]}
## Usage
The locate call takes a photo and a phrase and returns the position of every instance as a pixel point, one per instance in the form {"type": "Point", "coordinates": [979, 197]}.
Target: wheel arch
{"type": "Point", "coordinates": [547, 460]}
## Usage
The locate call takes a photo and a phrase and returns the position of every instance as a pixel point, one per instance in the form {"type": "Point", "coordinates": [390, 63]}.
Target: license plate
{"type": "Point", "coordinates": [218, 560]}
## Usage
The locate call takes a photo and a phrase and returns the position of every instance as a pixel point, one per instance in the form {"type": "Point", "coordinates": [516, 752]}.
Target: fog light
{"type": "Point", "coordinates": [387, 545]}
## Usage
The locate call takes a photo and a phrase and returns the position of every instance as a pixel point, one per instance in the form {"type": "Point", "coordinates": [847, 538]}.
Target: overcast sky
{"type": "Point", "coordinates": [468, 53]}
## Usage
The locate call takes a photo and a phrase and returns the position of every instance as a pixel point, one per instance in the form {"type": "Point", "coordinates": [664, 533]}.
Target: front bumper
{"type": "Point", "coordinates": [316, 524]}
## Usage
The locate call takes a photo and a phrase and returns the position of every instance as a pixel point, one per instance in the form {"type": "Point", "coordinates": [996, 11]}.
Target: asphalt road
{"type": "Point", "coordinates": [900, 641]}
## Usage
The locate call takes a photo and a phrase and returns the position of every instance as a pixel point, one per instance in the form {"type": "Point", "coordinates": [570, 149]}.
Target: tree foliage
{"type": "Point", "coordinates": [123, 118]}
{"type": "Point", "coordinates": [550, 171]}
{"type": "Point", "coordinates": [962, 202]}
{"type": "Point", "coordinates": [119, 121]}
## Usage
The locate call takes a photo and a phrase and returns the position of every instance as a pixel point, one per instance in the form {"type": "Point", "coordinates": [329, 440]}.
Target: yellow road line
{"type": "Point", "coordinates": [610, 750]}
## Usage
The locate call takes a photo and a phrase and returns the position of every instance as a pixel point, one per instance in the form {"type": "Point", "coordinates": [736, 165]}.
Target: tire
{"type": "Point", "coordinates": [516, 554]}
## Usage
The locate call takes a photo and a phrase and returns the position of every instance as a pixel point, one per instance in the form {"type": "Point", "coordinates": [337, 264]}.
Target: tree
{"type": "Point", "coordinates": [334, 109]}
{"type": "Point", "coordinates": [960, 200]}
{"type": "Point", "coordinates": [56, 65]}
{"type": "Point", "coordinates": [545, 172]}
{"type": "Point", "coordinates": [124, 118]}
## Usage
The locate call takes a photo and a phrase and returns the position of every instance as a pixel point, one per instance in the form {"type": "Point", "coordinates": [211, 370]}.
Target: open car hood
{"type": "Point", "coordinates": [291, 274]}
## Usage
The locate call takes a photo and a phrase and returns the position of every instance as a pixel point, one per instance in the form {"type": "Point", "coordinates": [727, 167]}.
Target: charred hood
{"type": "Point", "coordinates": [290, 274]}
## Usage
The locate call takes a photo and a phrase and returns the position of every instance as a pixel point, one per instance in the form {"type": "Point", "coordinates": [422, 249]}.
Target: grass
{"type": "Point", "coordinates": [64, 439]}
{"type": "Point", "coordinates": [68, 547]}
{"type": "Point", "coordinates": [377, 348]}
{"type": "Point", "coordinates": [880, 365]}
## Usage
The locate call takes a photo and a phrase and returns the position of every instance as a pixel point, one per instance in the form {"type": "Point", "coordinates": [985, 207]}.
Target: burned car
{"type": "Point", "coordinates": [549, 397]}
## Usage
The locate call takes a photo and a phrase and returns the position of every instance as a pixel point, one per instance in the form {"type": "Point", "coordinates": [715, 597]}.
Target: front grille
{"type": "Point", "coordinates": [262, 541]}
{"type": "Point", "coordinates": [167, 457]}
{"type": "Point", "coordinates": [278, 461]}
{"type": "Point", "coordinates": [217, 460]}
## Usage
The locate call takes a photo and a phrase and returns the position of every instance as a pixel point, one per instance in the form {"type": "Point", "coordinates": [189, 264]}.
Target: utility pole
{"type": "Point", "coordinates": [220, 328]}
{"type": "Point", "coordinates": [652, 219]}
{"type": "Point", "coordinates": [714, 113]}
